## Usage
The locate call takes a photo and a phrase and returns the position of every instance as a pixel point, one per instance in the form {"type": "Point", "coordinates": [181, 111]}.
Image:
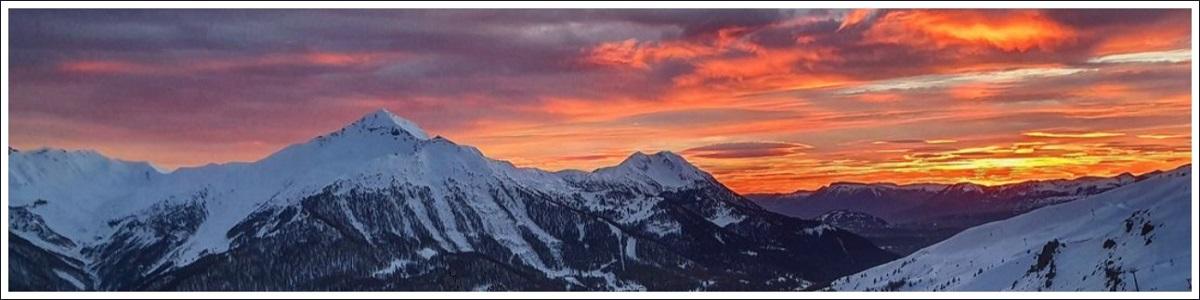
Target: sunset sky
{"type": "Point", "coordinates": [766, 100]}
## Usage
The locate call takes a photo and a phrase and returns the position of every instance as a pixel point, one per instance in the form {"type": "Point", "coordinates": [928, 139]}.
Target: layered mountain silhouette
{"type": "Point", "coordinates": [919, 215]}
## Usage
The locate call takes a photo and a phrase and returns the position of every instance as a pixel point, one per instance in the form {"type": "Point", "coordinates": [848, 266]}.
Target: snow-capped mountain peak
{"type": "Point", "coordinates": [666, 159]}
{"type": "Point", "coordinates": [379, 133]}
{"type": "Point", "coordinates": [664, 168]}
{"type": "Point", "coordinates": [385, 120]}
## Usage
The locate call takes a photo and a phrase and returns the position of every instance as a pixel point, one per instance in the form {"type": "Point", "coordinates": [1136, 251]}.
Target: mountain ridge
{"type": "Point", "coordinates": [917, 185]}
{"type": "Point", "coordinates": [390, 210]}
{"type": "Point", "coordinates": [780, 201]}
{"type": "Point", "coordinates": [921, 216]}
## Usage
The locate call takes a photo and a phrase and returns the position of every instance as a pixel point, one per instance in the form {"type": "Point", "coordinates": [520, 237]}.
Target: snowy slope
{"type": "Point", "coordinates": [72, 189]}
{"type": "Point", "coordinates": [1135, 237]}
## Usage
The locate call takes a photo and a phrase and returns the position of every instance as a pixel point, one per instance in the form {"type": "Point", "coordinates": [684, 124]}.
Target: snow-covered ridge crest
{"type": "Point", "coordinates": [667, 169]}
{"type": "Point", "coordinates": [81, 156]}
{"type": "Point", "coordinates": [71, 183]}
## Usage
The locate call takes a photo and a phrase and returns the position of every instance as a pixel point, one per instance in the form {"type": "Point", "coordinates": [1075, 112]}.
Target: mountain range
{"type": "Point", "coordinates": [929, 201]}
{"type": "Point", "coordinates": [380, 205]}
{"type": "Point", "coordinates": [913, 216]}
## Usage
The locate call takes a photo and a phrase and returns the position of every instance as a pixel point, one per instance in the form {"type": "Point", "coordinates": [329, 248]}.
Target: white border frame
{"type": "Point", "coordinates": [4, 100]}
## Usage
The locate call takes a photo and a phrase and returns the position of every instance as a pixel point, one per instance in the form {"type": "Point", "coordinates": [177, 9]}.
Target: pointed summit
{"type": "Point", "coordinates": [375, 134]}
{"type": "Point", "coordinates": [382, 119]}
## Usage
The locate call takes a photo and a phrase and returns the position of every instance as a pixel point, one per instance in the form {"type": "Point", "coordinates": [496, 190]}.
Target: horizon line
{"type": "Point", "coordinates": [164, 171]}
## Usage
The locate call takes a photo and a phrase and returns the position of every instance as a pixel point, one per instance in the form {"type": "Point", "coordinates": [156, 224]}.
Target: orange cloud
{"type": "Point", "coordinates": [878, 97]}
{"type": "Point", "coordinates": [855, 17]}
{"type": "Point", "coordinates": [1155, 37]}
{"type": "Point", "coordinates": [1163, 136]}
{"type": "Point", "coordinates": [1019, 30]}
{"type": "Point", "coordinates": [1105, 91]}
{"type": "Point", "coordinates": [941, 141]}
{"type": "Point", "coordinates": [725, 62]}
{"type": "Point", "coordinates": [763, 71]}
{"type": "Point", "coordinates": [640, 55]}
{"type": "Point", "coordinates": [1080, 135]}
{"type": "Point", "coordinates": [103, 66]}
{"type": "Point", "coordinates": [340, 59]}
{"type": "Point", "coordinates": [747, 150]}
{"type": "Point", "coordinates": [975, 91]}
{"type": "Point", "coordinates": [587, 110]}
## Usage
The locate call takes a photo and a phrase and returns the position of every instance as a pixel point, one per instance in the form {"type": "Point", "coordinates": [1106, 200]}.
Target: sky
{"type": "Point", "coordinates": [765, 100]}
